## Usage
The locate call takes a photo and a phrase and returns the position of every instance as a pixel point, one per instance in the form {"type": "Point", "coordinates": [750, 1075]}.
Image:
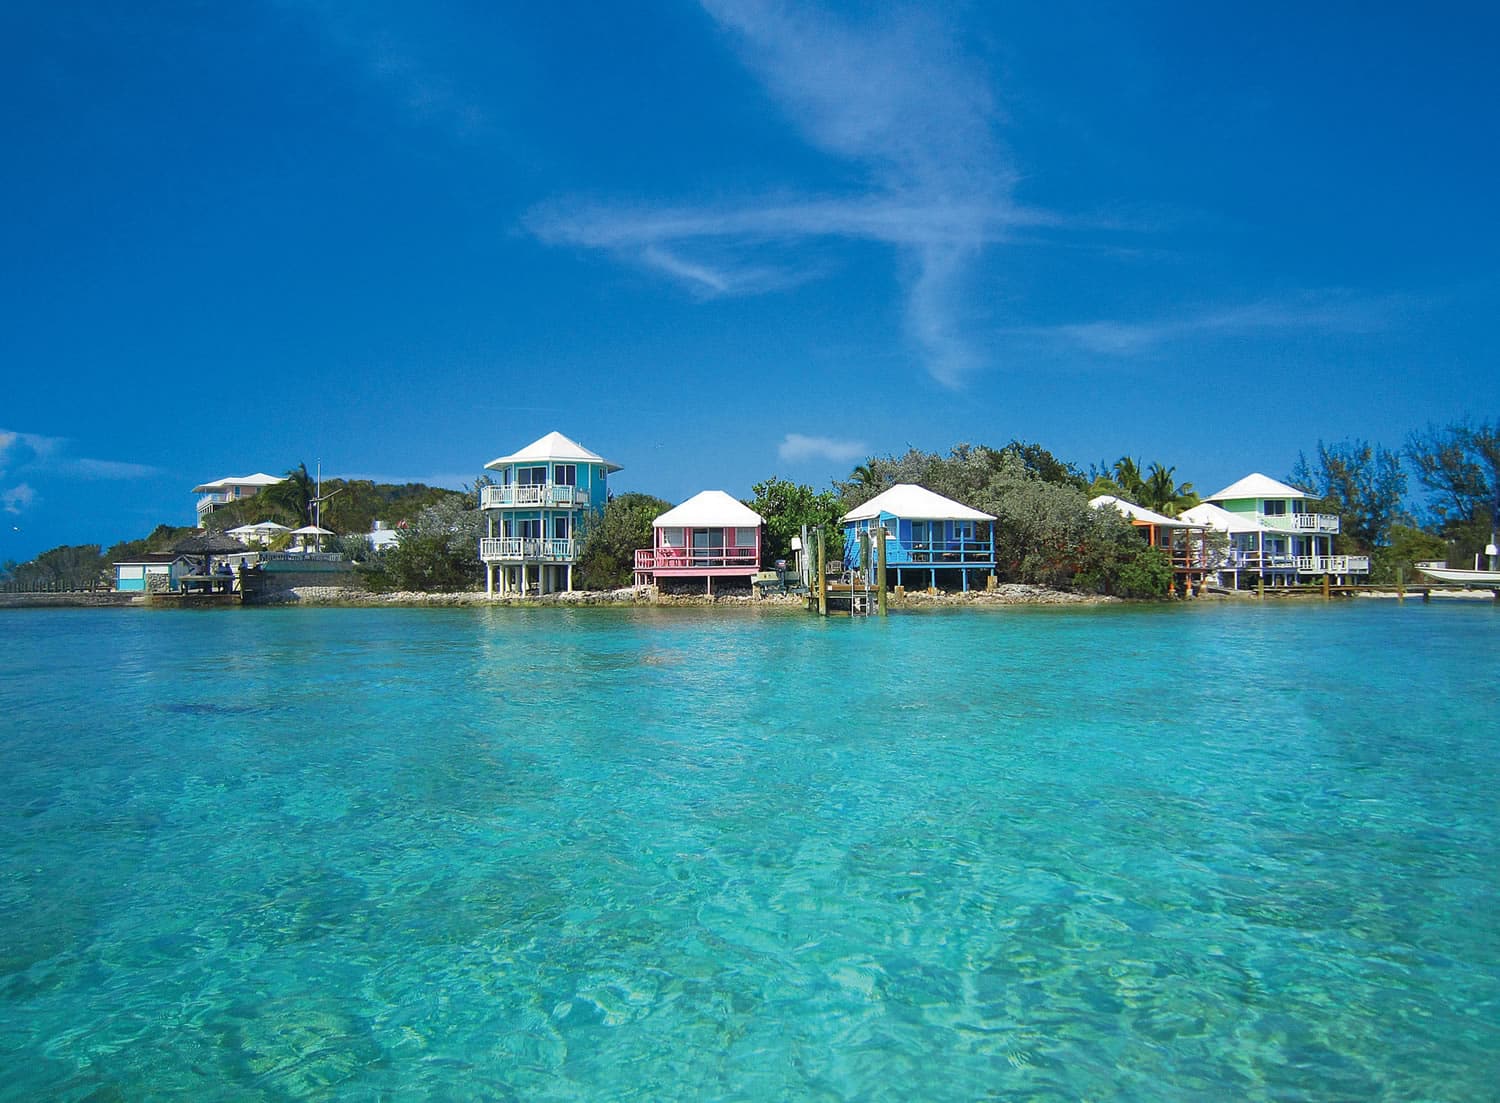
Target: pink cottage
{"type": "Point", "coordinates": [709, 536]}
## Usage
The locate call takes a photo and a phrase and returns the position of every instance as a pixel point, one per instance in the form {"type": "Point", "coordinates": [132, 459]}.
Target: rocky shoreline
{"type": "Point", "coordinates": [631, 597]}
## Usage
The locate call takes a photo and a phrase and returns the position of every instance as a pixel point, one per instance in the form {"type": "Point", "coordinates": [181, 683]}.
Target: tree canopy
{"type": "Point", "coordinates": [607, 559]}
{"type": "Point", "coordinates": [1363, 483]}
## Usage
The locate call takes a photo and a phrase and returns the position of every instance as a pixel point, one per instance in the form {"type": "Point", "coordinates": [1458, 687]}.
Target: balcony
{"type": "Point", "coordinates": [935, 553]}
{"type": "Point", "coordinates": [1333, 564]}
{"type": "Point", "coordinates": [524, 549]}
{"type": "Point", "coordinates": [1302, 522]}
{"type": "Point", "coordinates": [697, 560]}
{"type": "Point", "coordinates": [539, 495]}
{"type": "Point", "coordinates": [208, 502]}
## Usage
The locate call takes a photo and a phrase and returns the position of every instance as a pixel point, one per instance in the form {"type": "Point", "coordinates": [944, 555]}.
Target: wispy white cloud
{"type": "Point", "coordinates": [797, 448]}
{"type": "Point", "coordinates": [1309, 313]}
{"type": "Point", "coordinates": [40, 457]}
{"type": "Point", "coordinates": [16, 498]}
{"type": "Point", "coordinates": [896, 97]}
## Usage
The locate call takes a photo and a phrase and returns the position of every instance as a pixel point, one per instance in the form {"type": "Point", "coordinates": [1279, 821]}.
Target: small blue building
{"type": "Point", "coordinates": [151, 573]}
{"type": "Point", "coordinates": [930, 539]}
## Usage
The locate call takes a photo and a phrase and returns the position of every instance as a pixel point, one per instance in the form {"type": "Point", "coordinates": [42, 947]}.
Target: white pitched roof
{"type": "Point", "coordinates": [1256, 486]}
{"type": "Point", "coordinates": [553, 448]}
{"type": "Point", "coordinates": [1141, 513]}
{"type": "Point", "coordinates": [709, 509]}
{"type": "Point", "coordinates": [912, 502]}
{"type": "Point", "coordinates": [260, 478]}
{"type": "Point", "coordinates": [1211, 516]}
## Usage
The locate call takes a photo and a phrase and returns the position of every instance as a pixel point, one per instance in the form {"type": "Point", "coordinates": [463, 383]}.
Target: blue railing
{"type": "Point", "coordinates": [933, 553]}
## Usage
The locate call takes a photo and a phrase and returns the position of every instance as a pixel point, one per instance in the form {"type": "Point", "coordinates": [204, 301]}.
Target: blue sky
{"type": "Point", "coordinates": [720, 241]}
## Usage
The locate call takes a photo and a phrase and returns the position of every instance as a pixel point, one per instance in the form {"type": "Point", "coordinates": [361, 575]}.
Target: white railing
{"type": "Point", "coordinates": [545, 495]}
{"type": "Point", "coordinates": [1333, 564]}
{"type": "Point", "coordinates": [208, 501]}
{"type": "Point", "coordinates": [1301, 522]}
{"type": "Point", "coordinates": [519, 549]}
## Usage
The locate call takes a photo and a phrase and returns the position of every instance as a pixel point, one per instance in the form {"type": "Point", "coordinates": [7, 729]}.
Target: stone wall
{"type": "Point", "coordinates": [89, 599]}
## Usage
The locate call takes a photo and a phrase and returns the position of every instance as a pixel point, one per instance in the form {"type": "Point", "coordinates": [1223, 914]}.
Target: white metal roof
{"type": "Point", "coordinates": [1256, 486]}
{"type": "Point", "coordinates": [1141, 513]}
{"type": "Point", "coordinates": [1211, 516]}
{"type": "Point", "coordinates": [259, 479]}
{"type": "Point", "coordinates": [553, 448]}
{"type": "Point", "coordinates": [912, 502]}
{"type": "Point", "coordinates": [709, 509]}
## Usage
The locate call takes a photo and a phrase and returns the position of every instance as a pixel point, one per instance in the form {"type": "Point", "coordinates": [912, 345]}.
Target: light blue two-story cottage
{"type": "Point", "coordinates": [535, 511]}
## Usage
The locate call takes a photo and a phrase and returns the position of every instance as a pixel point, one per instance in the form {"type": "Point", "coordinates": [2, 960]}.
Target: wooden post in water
{"type": "Point", "coordinates": [822, 577]}
{"type": "Point", "coordinates": [1326, 584]}
{"type": "Point", "coordinates": [880, 567]}
{"type": "Point", "coordinates": [1401, 584]}
{"type": "Point", "coordinates": [1260, 587]}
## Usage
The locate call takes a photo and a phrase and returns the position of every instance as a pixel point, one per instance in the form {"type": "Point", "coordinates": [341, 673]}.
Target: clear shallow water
{"type": "Point", "coordinates": [1247, 853]}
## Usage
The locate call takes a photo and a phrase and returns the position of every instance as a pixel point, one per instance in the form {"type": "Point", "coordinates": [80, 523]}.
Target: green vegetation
{"type": "Point", "coordinates": [1360, 482]}
{"type": "Point", "coordinates": [1157, 489]}
{"type": "Point", "coordinates": [787, 506]}
{"type": "Point", "coordinates": [607, 559]}
{"type": "Point", "coordinates": [436, 551]}
{"type": "Point", "coordinates": [349, 505]}
{"type": "Point", "coordinates": [1459, 467]}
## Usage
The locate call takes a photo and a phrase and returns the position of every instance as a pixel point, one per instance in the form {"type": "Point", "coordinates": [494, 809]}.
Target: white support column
{"type": "Point", "coordinates": [570, 578]}
{"type": "Point", "coordinates": [489, 580]}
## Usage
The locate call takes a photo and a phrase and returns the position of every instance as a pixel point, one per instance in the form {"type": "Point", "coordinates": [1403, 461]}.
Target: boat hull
{"type": "Point", "coordinates": [1461, 577]}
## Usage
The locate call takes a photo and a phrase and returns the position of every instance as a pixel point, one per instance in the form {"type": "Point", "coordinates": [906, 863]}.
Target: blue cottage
{"type": "Point", "coordinates": [929, 538]}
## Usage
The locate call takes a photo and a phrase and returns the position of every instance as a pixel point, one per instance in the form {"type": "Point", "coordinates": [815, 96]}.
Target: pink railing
{"type": "Point", "coordinates": [691, 559]}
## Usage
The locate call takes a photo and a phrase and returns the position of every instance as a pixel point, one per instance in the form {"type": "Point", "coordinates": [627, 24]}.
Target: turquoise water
{"type": "Point", "coordinates": [1145, 854]}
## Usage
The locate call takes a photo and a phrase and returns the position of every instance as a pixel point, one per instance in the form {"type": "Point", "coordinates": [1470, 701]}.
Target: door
{"type": "Point", "coordinates": [708, 547]}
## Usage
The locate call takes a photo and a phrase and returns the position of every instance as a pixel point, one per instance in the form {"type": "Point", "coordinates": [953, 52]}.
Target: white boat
{"type": "Point", "coordinates": [1459, 576]}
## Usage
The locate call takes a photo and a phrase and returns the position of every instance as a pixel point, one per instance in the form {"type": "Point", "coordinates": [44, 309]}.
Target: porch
{"type": "Point", "coordinates": [1322, 523]}
{"type": "Point", "coordinates": [523, 549]}
{"type": "Point", "coordinates": [542, 495]}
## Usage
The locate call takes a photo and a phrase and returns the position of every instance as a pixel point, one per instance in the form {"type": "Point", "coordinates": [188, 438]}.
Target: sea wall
{"type": "Point", "coordinates": [88, 599]}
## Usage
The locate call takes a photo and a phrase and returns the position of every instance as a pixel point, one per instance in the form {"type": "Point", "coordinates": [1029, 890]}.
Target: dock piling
{"type": "Point", "coordinates": [822, 576]}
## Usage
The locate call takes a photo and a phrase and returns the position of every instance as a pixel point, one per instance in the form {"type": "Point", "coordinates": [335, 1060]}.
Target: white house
{"type": "Point", "coordinates": [1273, 535]}
{"type": "Point", "coordinates": [230, 489]}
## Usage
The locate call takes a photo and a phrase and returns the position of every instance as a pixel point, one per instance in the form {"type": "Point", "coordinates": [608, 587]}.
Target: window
{"type": "Point", "coordinates": [744, 538]}
{"type": "Point", "coordinates": [1274, 507]}
{"type": "Point", "coordinates": [963, 530]}
{"type": "Point", "coordinates": [921, 532]}
{"type": "Point", "coordinates": [561, 526]}
{"type": "Point", "coordinates": [565, 474]}
{"type": "Point", "coordinates": [530, 528]}
{"type": "Point", "coordinates": [531, 476]}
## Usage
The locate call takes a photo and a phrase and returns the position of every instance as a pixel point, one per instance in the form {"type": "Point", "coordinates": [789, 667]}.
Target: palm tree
{"type": "Point", "coordinates": [289, 497]}
{"type": "Point", "coordinates": [1127, 475]}
{"type": "Point", "coordinates": [1161, 493]}
{"type": "Point", "coordinates": [866, 477]}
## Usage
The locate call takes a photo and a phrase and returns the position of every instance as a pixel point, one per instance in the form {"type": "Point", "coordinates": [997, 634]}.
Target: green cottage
{"type": "Point", "coordinates": [1272, 535]}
